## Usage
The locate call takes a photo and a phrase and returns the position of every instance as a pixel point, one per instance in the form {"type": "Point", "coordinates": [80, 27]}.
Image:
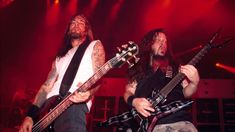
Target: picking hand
{"type": "Point", "coordinates": [143, 106]}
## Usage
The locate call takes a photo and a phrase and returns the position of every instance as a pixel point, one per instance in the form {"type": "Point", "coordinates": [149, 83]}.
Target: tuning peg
{"type": "Point", "coordinates": [130, 64]}
{"type": "Point", "coordinates": [117, 54]}
{"type": "Point", "coordinates": [123, 59]}
{"type": "Point", "coordinates": [119, 49]}
{"type": "Point", "coordinates": [124, 46]}
{"type": "Point", "coordinates": [130, 42]}
{"type": "Point", "coordinates": [136, 59]}
{"type": "Point", "coordinates": [123, 51]}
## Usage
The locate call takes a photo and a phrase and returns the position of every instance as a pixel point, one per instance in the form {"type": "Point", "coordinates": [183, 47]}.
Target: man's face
{"type": "Point", "coordinates": [159, 46]}
{"type": "Point", "coordinates": [78, 27]}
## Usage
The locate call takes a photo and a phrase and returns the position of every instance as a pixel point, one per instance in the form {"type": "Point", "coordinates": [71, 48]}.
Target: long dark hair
{"type": "Point", "coordinates": [143, 68]}
{"type": "Point", "coordinates": [66, 43]}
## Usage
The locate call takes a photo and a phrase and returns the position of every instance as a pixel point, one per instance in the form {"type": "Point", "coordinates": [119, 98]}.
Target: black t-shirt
{"type": "Point", "coordinates": [156, 81]}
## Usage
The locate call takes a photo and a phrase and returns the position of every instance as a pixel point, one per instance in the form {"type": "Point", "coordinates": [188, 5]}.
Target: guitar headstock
{"type": "Point", "coordinates": [215, 42]}
{"type": "Point", "coordinates": [127, 53]}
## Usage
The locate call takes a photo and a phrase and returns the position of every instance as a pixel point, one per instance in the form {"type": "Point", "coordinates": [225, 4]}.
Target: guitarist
{"type": "Point", "coordinates": [79, 57]}
{"type": "Point", "coordinates": [153, 71]}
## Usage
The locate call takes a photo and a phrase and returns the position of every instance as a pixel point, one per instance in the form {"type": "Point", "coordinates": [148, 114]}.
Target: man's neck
{"type": "Point", "coordinates": [156, 64]}
{"type": "Point", "coordinates": [78, 42]}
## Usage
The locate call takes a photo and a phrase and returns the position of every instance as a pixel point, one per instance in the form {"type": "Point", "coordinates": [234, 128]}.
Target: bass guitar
{"type": "Point", "coordinates": [127, 54]}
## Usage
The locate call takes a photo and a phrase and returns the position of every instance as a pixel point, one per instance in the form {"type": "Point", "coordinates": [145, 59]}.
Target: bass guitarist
{"type": "Point", "coordinates": [78, 59]}
{"type": "Point", "coordinates": [154, 70]}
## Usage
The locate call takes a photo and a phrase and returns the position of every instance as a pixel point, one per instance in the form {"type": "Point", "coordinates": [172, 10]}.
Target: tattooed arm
{"type": "Point", "coordinates": [142, 105]}
{"type": "Point", "coordinates": [98, 59]}
{"type": "Point", "coordinates": [130, 90]}
{"type": "Point", "coordinates": [39, 99]}
{"type": "Point", "coordinates": [46, 87]}
{"type": "Point", "coordinates": [98, 56]}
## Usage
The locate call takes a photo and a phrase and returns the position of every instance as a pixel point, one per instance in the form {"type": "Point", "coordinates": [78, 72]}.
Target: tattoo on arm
{"type": "Point", "coordinates": [98, 59]}
{"type": "Point", "coordinates": [98, 56]}
{"type": "Point", "coordinates": [130, 89]}
{"type": "Point", "coordinates": [51, 76]}
{"type": "Point", "coordinates": [46, 87]}
{"type": "Point", "coordinates": [131, 86]}
{"type": "Point", "coordinates": [40, 97]}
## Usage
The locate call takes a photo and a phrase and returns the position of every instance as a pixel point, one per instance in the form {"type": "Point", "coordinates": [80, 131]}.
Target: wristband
{"type": "Point", "coordinates": [33, 111]}
{"type": "Point", "coordinates": [130, 100]}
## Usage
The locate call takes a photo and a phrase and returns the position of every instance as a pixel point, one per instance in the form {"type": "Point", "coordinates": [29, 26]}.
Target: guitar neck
{"type": "Point", "coordinates": [62, 106]}
{"type": "Point", "coordinates": [124, 56]}
{"type": "Point", "coordinates": [94, 78]}
{"type": "Point", "coordinates": [179, 77]}
{"type": "Point", "coordinates": [51, 116]}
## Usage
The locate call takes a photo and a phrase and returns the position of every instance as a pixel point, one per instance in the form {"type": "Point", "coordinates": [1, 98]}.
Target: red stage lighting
{"type": "Point", "coordinates": [226, 67]}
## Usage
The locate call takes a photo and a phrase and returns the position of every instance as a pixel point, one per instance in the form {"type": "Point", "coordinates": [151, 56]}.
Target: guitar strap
{"type": "Point", "coordinates": [72, 69]}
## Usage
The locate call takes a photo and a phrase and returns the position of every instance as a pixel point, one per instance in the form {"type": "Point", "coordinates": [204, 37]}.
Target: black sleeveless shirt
{"type": "Point", "coordinates": [156, 81]}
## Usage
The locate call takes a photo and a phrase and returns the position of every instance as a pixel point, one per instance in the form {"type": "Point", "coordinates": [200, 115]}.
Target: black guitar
{"type": "Point", "coordinates": [160, 97]}
{"type": "Point", "coordinates": [126, 54]}
{"type": "Point", "coordinates": [160, 111]}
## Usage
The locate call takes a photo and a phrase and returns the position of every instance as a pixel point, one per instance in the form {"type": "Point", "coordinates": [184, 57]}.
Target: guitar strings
{"type": "Point", "coordinates": [42, 123]}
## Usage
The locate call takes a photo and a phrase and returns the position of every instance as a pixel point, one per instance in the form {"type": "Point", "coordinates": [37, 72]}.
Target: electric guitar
{"type": "Point", "coordinates": [160, 97]}
{"type": "Point", "coordinates": [127, 54]}
{"type": "Point", "coordinates": [160, 111]}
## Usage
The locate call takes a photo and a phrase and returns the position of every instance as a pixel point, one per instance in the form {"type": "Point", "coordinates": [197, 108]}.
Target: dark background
{"type": "Point", "coordinates": [31, 32]}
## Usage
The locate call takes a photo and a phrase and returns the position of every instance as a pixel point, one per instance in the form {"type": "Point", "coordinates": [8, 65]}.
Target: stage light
{"type": "Point", "coordinates": [56, 2]}
{"type": "Point", "coordinates": [217, 64]}
{"type": "Point", "coordinates": [226, 67]}
{"type": "Point", "coordinates": [4, 3]}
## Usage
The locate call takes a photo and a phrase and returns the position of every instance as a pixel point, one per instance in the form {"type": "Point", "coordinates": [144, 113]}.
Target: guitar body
{"type": "Point", "coordinates": [55, 105]}
{"type": "Point", "coordinates": [160, 111]}
{"type": "Point", "coordinates": [156, 99]}
{"type": "Point", "coordinates": [46, 108]}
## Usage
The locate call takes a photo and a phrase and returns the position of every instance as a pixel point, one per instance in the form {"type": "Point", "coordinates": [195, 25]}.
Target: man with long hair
{"type": "Point", "coordinates": [154, 70]}
{"type": "Point", "coordinates": [79, 58]}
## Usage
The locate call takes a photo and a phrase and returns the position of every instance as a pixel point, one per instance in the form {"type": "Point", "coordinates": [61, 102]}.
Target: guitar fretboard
{"type": "Point", "coordinates": [129, 52]}
{"type": "Point", "coordinates": [63, 105]}
{"type": "Point", "coordinates": [179, 77]}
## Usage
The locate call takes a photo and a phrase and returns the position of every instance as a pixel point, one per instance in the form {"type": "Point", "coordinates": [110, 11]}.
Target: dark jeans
{"type": "Point", "coordinates": [72, 120]}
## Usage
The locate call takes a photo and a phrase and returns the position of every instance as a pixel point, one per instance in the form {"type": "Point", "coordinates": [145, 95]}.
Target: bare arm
{"type": "Point", "coordinates": [190, 84]}
{"type": "Point", "coordinates": [130, 90]}
{"type": "Point", "coordinates": [98, 59]}
{"type": "Point", "coordinates": [142, 105]}
{"type": "Point", "coordinates": [46, 87]}
{"type": "Point", "coordinates": [40, 98]}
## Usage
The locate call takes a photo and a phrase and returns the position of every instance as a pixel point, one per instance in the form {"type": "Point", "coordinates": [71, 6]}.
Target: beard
{"type": "Point", "coordinates": [75, 35]}
{"type": "Point", "coordinates": [159, 57]}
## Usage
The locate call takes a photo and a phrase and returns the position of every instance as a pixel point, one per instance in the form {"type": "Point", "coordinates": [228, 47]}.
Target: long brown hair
{"type": "Point", "coordinates": [66, 43]}
{"type": "Point", "coordinates": [143, 67]}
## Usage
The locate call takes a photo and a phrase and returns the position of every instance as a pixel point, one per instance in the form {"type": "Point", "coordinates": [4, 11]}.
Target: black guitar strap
{"type": "Point", "coordinates": [72, 69]}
